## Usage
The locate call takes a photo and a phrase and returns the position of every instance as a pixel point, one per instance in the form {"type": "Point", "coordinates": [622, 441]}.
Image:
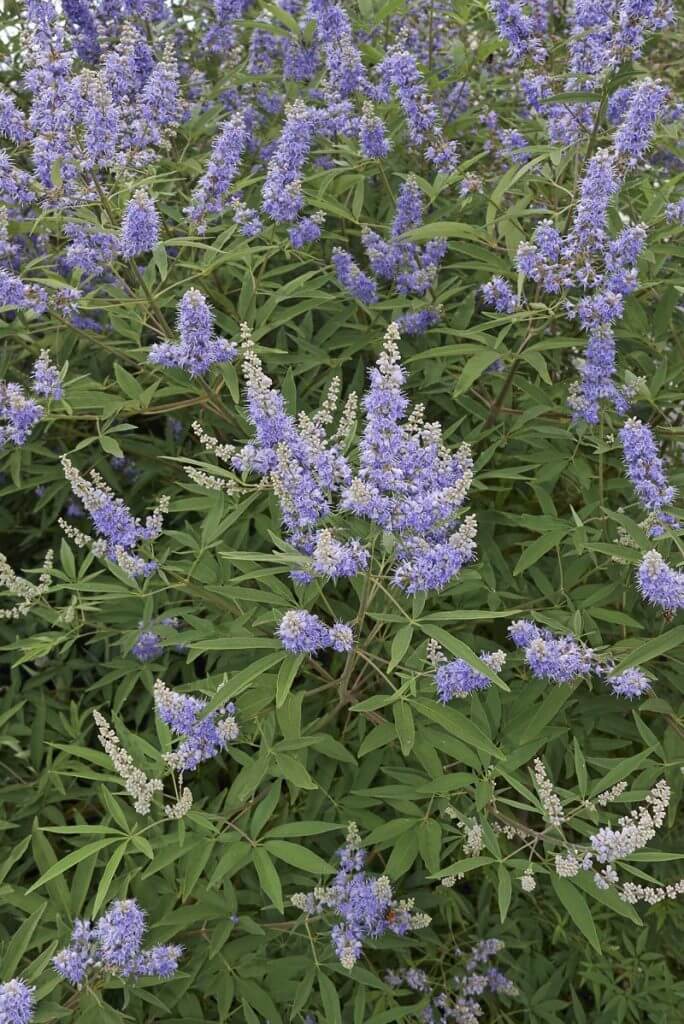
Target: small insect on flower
{"type": "Point", "coordinates": [364, 905]}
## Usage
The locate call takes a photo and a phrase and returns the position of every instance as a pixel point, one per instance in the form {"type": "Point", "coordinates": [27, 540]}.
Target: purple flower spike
{"type": "Point", "coordinates": [199, 348]}
{"type": "Point", "coordinates": [560, 659]}
{"type": "Point", "coordinates": [140, 227]}
{"type": "Point", "coordinates": [498, 294]}
{"type": "Point", "coordinates": [645, 469]}
{"type": "Point", "coordinates": [300, 632]}
{"type": "Point", "coordinates": [631, 683]}
{"type": "Point", "coordinates": [660, 584]}
{"type": "Point", "coordinates": [112, 946]}
{"type": "Point", "coordinates": [353, 278]}
{"type": "Point", "coordinates": [46, 377]}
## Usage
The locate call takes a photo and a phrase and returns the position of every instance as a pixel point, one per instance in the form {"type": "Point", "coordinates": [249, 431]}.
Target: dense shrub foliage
{"type": "Point", "coordinates": [340, 433]}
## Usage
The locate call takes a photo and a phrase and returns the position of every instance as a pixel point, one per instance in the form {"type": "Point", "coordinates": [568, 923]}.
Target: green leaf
{"type": "Point", "coordinates": [235, 857]}
{"type": "Point", "coordinates": [456, 724]}
{"type": "Point", "coordinates": [301, 828]}
{"type": "Point", "coordinates": [298, 856]}
{"type": "Point", "coordinates": [430, 843]}
{"type": "Point", "coordinates": [19, 943]}
{"type": "Point", "coordinates": [461, 867]}
{"type": "Point", "coordinates": [235, 643]}
{"type": "Point", "coordinates": [572, 97]}
{"type": "Point", "coordinates": [504, 890]}
{"type": "Point", "coordinates": [578, 909]}
{"type": "Point", "coordinates": [404, 724]}
{"type": "Point", "coordinates": [111, 446]}
{"type": "Point", "coordinates": [107, 877]}
{"type": "Point", "coordinates": [287, 674]}
{"type": "Point", "coordinates": [268, 877]}
{"type": "Point", "coordinates": [536, 359]}
{"type": "Point", "coordinates": [444, 229]}
{"type": "Point", "coordinates": [404, 853]}
{"type": "Point", "coordinates": [625, 767]}
{"type": "Point", "coordinates": [536, 549]}
{"type": "Point", "coordinates": [330, 999]}
{"type": "Point", "coordinates": [400, 645]}
{"type": "Point", "coordinates": [534, 725]}
{"type": "Point", "coordinates": [473, 370]}
{"type": "Point", "coordinates": [71, 859]}
{"type": "Point", "coordinates": [45, 858]}
{"type": "Point", "coordinates": [294, 771]}
{"type": "Point", "coordinates": [647, 650]}
{"type": "Point", "coordinates": [127, 382]}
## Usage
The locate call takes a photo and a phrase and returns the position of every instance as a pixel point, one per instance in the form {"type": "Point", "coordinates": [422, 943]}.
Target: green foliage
{"type": "Point", "coordinates": [358, 737]}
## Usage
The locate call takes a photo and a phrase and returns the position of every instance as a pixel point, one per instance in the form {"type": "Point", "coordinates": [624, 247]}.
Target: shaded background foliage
{"type": "Point", "coordinates": [550, 498]}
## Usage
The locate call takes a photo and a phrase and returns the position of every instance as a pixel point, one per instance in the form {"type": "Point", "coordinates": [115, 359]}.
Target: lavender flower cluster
{"type": "Point", "coordinates": [462, 1005]}
{"type": "Point", "coordinates": [119, 533]}
{"type": "Point", "coordinates": [104, 103]}
{"type": "Point", "coordinates": [411, 268]}
{"type": "Point", "coordinates": [19, 413]}
{"type": "Point", "coordinates": [202, 735]}
{"type": "Point", "coordinates": [16, 1002]}
{"type": "Point", "coordinates": [658, 582]}
{"type": "Point", "coordinates": [364, 904]}
{"type": "Point", "coordinates": [589, 259]}
{"type": "Point", "coordinates": [557, 659]}
{"type": "Point", "coordinates": [148, 645]}
{"type": "Point", "coordinates": [565, 660]}
{"type": "Point", "coordinates": [113, 945]}
{"type": "Point", "coordinates": [301, 632]}
{"type": "Point", "coordinates": [458, 679]}
{"type": "Point", "coordinates": [198, 347]}
{"type": "Point", "coordinates": [293, 105]}
{"type": "Point", "coordinates": [645, 469]}
{"type": "Point", "coordinates": [407, 483]}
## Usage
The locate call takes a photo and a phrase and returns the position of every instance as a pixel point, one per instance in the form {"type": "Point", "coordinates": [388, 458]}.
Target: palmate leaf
{"type": "Point", "coordinates": [330, 738]}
